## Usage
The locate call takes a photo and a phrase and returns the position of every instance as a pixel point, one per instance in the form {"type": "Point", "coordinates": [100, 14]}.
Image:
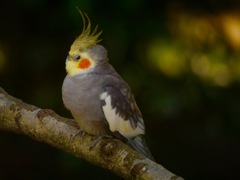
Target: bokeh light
{"type": "Point", "coordinates": [202, 44]}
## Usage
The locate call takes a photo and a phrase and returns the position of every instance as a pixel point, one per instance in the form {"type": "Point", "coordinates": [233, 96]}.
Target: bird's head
{"type": "Point", "coordinates": [84, 53]}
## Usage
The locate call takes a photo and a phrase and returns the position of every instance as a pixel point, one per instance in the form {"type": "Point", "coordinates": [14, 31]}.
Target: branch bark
{"type": "Point", "coordinates": [46, 126]}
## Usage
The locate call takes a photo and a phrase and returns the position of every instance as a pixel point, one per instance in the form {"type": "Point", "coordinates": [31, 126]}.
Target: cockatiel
{"type": "Point", "coordinates": [99, 99]}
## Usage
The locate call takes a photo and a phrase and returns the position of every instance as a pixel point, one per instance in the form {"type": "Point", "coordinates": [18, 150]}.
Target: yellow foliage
{"type": "Point", "coordinates": [163, 57]}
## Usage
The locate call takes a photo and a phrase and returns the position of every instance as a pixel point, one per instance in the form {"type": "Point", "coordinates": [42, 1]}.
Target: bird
{"type": "Point", "coordinates": [98, 98]}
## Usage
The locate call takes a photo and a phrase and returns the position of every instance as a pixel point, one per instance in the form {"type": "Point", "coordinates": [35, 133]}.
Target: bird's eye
{"type": "Point", "coordinates": [77, 57]}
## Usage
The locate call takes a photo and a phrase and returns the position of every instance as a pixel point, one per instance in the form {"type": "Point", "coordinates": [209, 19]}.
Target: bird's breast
{"type": "Point", "coordinates": [81, 97]}
{"type": "Point", "coordinates": [81, 94]}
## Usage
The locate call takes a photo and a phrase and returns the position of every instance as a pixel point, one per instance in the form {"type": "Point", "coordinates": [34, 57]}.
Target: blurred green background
{"type": "Point", "coordinates": [182, 61]}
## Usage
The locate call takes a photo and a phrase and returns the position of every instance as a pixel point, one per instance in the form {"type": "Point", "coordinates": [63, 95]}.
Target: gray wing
{"type": "Point", "coordinates": [121, 110]}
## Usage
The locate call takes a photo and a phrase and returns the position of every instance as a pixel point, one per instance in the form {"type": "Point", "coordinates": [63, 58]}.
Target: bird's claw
{"type": "Point", "coordinates": [97, 139]}
{"type": "Point", "coordinates": [79, 131]}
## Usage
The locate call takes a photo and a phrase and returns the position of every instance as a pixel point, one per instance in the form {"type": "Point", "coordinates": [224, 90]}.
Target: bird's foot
{"type": "Point", "coordinates": [97, 139]}
{"type": "Point", "coordinates": [79, 131]}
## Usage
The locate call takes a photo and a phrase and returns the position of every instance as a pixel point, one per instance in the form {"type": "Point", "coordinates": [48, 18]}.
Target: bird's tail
{"type": "Point", "coordinates": [139, 144]}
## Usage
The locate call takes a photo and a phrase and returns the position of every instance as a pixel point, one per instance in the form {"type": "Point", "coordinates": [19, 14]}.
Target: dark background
{"type": "Point", "coordinates": [182, 61]}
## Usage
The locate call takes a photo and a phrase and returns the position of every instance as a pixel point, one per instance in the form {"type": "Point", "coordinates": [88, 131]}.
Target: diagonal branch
{"type": "Point", "coordinates": [46, 126]}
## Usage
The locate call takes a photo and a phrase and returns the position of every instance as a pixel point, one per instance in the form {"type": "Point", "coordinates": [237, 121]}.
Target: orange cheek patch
{"type": "Point", "coordinates": [84, 63]}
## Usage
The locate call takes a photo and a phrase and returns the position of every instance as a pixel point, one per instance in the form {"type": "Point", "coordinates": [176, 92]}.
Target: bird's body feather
{"type": "Point", "coordinates": [121, 115]}
{"type": "Point", "coordinates": [99, 99]}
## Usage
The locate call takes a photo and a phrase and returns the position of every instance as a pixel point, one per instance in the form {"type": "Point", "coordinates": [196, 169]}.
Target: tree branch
{"type": "Point", "coordinates": [46, 126]}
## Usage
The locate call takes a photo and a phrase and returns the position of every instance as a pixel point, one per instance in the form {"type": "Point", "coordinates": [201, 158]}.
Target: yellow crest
{"type": "Point", "coordinates": [87, 39]}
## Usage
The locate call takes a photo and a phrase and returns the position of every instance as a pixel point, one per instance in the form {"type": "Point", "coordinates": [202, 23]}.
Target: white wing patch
{"type": "Point", "coordinates": [117, 123]}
